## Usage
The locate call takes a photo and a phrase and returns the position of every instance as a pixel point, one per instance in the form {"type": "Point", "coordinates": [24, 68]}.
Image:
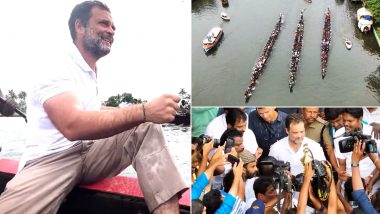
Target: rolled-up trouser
{"type": "Point", "coordinates": [44, 182]}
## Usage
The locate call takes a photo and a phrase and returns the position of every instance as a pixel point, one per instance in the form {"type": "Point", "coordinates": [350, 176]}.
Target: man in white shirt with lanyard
{"type": "Point", "coordinates": [72, 140]}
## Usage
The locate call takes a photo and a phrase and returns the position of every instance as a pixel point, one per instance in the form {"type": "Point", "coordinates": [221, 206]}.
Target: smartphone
{"type": "Point", "coordinates": [229, 145]}
{"type": "Point", "coordinates": [232, 159]}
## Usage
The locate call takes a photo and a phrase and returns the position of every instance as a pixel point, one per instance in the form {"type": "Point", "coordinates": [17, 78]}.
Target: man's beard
{"type": "Point", "coordinates": [250, 175]}
{"type": "Point", "coordinates": [94, 45]}
{"type": "Point", "coordinates": [297, 140]}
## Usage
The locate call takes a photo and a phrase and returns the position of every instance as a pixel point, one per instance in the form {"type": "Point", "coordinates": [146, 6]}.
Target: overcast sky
{"type": "Point", "coordinates": [150, 54]}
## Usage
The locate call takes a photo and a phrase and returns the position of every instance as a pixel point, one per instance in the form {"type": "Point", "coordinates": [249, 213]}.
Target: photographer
{"type": "Point", "coordinates": [307, 192]}
{"type": "Point", "coordinates": [213, 200]}
{"type": "Point", "coordinates": [353, 127]}
{"type": "Point", "coordinates": [359, 193]}
{"type": "Point", "coordinates": [207, 174]}
{"type": "Point", "coordinates": [267, 197]}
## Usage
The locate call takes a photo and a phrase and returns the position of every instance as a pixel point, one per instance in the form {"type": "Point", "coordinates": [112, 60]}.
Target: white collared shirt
{"type": "Point", "coordinates": [70, 74]}
{"type": "Point", "coordinates": [371, 117]}
{"type": "Point", "coordinates": [281, 150]}
{"type": "Point", "coordinates": [218, 126]}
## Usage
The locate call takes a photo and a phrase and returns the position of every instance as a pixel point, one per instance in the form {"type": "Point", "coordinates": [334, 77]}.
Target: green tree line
{"type": "Point", "coordinates": [374, 7]}
{"type": "Point", "coordinates": [120, 99]}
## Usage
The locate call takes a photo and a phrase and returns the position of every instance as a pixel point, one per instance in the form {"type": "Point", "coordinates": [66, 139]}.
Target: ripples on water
{"type": "Point", "coordinates": [12, 141]}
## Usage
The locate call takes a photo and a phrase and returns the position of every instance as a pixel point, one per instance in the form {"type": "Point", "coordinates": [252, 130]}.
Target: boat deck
{"type": "Point", "coordinates": [119, 194]}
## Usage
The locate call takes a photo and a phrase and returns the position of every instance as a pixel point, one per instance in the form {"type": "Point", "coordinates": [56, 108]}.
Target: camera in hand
{"type": "Point", "coordinates": [347, 144]}
{"type": "Point", "coordinates": [229, 145]}
{"type": "Point", "coordinates": [203, 139]}
{"type": "Point", "coordinates": [232, 159]}
{"type": "Point", "coordinates": [271, 167]}
{"type": "Point", "coordinates": [319, 172]}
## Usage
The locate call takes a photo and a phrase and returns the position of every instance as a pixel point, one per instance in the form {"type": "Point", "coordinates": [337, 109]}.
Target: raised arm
{"type": "Point", "coordinates": [75, 123]}
{"type": "Point", "coordinates": [346, 204]}
{"type": "Point", "coordinates": [302, 200]}
{"type": "Point", "coordinates": [206, 148]}
{"type": "Point", "coordinates": [357, 185]}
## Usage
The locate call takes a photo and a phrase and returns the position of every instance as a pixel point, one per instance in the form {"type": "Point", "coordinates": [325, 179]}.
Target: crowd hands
{"type": "Point", "coordinates": [227, 178]}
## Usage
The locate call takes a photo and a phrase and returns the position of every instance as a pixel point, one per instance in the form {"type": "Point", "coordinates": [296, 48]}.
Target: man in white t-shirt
{"type": "Point", "coordinates": [233, 118]}
{"type": "Point", "coordinates": [371, 116]}
{"type": "Point", "coordinates": [72, 140]}
{"type": "Point", "coordinates": [291, 148]}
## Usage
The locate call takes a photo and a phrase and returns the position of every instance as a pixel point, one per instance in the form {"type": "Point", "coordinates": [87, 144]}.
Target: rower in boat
{"type": "Point", "coordinates": [325, 44]}
{"type": "Point", "coordinates": [258, 67]}
{"type": "Point", "coordinates": [297, 46]}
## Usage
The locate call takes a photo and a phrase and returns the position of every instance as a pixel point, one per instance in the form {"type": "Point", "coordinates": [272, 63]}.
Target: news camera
{"type": "Point", "coordinates": [347, 144]}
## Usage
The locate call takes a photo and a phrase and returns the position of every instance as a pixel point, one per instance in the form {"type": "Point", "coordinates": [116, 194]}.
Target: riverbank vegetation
{"type": "Point", "coordinates": [374, 7]}
{"type": "Point", "coordinates": [18, 99]}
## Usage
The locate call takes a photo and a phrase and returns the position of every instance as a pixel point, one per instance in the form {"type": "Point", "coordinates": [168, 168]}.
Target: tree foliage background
{"type": "Point", "coordinates": [125, 98]}
{"type": "Point", "coordinates": [114, 101]}
{"type": "Point", "coordinates": [18, 98]}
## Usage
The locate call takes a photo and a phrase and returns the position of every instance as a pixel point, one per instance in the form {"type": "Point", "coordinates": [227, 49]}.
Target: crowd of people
{"type": "Point", "coordinates": [257, 70]}
{"type": "Point", "coordinates": [326, 39]}
{"type": "Point", "coordinates": [295, 160]}
{"type": "Point", "coordinates": [296, 52]}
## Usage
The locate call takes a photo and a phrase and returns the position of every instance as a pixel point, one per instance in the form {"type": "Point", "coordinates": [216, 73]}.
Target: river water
{"type": "Point", "coordinates": [220, 78]}
{"type": "Point", "coordinates": [12, 141]}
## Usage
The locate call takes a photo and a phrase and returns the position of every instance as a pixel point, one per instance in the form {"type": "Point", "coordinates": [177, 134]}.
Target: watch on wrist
{"type": "Point", "coordinates": [353, 164]}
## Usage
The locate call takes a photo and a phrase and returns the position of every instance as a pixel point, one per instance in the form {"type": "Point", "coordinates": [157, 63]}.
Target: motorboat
{"type": "Point", "coordinates": [365, 19]}
{"type": "Point", "coordinates": [212, 38]}
{"type": "Point", "coordinates": [225, 17]}
{"type": "Point", "coordinates": [224, 2]}
{"type": "Point", "coordinates": [348, 44]}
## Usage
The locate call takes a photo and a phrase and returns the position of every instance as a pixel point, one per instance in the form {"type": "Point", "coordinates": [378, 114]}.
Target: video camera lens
{"type": "Point", "coordinates": [347, 144]}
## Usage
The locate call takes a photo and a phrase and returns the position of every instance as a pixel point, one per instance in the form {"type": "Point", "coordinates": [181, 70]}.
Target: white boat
{"type": "Point", "coordinates": [348, 44]}
{"type": "Point", "coordinates": [225, 17]}
{"type": "Point", "coordinates": [365, 19]}
{"type": "Point", "coordinates": [212, 38]}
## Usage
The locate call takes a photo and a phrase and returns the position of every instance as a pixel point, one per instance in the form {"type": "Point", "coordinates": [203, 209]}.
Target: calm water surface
{"type": "Point", "coordinates": [12, 141]}
{"type": "Point", "coordinates": [353, 77]}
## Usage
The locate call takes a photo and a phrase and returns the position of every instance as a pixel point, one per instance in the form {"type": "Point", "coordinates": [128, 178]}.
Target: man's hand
{"type": "Point", "coordinates": [358, 152]}
{"type": "Point", "coordinates": [218, 158]}
{"type": "Point", "coordinates": [162, 109]}
{"type": "Point", "coordinates": [207, 147]}
{"type": "Point", "coordinates": [309, 172]}
{"type": "Point", "coordinates": [238, 169]}
{"type": "Point", "coordinates": [376, 130]}
{"type": "Point", "coordinates": [258, 153]}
